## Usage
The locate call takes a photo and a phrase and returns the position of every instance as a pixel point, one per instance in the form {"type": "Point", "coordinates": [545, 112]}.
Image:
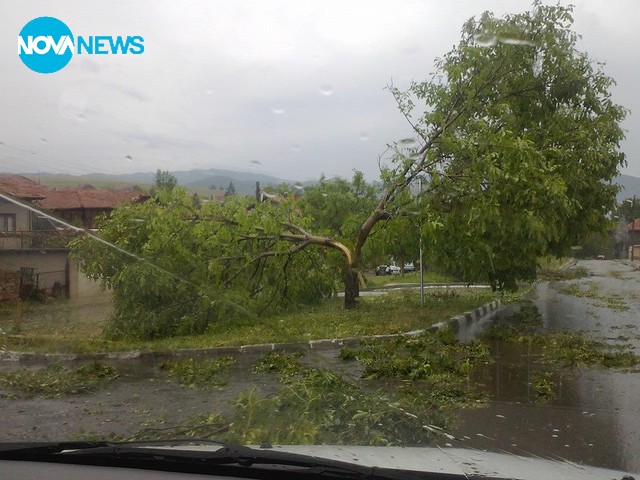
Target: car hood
{"type": "Point", "coordinates": [448, 461]}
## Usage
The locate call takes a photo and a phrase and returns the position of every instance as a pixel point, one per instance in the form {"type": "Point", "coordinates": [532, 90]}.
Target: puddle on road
{"type": "Point", "coordinates": [586, 415]}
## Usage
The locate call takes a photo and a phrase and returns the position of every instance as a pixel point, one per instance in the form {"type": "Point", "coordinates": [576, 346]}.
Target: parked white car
{"type": "Point", "coordinates": [394, 270]}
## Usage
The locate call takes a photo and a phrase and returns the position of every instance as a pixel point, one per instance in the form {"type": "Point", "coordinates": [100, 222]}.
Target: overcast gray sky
{"type": "Point", "coordinates": [289, 88]}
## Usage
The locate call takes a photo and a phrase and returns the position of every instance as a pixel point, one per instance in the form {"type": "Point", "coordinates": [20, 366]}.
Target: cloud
{"type": "Point", "coordinates": [205, 90]}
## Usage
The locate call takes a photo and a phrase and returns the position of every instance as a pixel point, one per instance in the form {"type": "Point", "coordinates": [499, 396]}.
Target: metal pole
{"type": "Point", "coordinates": [421, 275]}
{"type": "Point", "coordinates": [633, 227]}
{"type": "Point", "coordinates": [421, 263]}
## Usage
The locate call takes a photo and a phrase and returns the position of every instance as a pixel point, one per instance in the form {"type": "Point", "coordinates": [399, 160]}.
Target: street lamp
{"type": "Point", "coordinates": [420, 246]}
{"type": "Point", "coordinates": [633, 225]}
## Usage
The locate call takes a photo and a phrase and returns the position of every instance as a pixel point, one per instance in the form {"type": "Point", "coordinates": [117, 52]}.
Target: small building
{"type": "Point", "coordinates": [633, 235]}
{"type": "Point", "coordinates": [14, 219]}
{"type": "Point", "coordinates": [34, 253]}
{"type": "Point", "coordinates": [81, 207]}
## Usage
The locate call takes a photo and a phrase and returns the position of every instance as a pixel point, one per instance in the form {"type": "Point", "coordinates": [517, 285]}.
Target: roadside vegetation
{"type": "Point", "coordinates": [590, 290]}
{"type": "Point", "coordinates": [564, 348]}
{"type": "Point", "coordinates": [56, 381]}
{"type": "Point", "coordinates": [323, 402]}
{"type": "Point", "coordinates": [193, 373]}
{"type": "Point", "coordinates": [395, 312]}
{"type": "Point", "coordinates": [374, 281]}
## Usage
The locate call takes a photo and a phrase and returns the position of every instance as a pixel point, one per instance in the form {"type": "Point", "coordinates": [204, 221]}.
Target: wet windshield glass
{"type": "Point", "coordinates": [373, 224]}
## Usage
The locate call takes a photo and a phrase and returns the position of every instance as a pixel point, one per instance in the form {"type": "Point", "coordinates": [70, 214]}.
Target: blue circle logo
{"type": "Point", "coordinates": [45, 45]}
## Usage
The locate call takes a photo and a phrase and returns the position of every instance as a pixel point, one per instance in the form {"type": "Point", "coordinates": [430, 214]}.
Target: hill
{"type": "Point", "coordinates": [201, 180]}
{"type": "Point", "coordinates": [630, 187]}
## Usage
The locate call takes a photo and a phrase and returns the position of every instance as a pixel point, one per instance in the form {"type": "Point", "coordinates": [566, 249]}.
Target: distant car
{"type": "Point", "coordinates": [408, 267]}
{"type": "Point", "coordinates": [601, 257]}
{"type": "Point", "coordinates": [394, 270]}
{"type": "Point", "coordinates": [381, 270]}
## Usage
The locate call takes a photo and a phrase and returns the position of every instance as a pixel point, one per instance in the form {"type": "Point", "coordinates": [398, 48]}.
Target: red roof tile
{"type": "Point", "coordinates": [21, 187]}
{"type": "Point", "coordinates": [95, 199]}
{"type": "Point", "coordinates": [67, 199]}
{"type": "Point", "coordinates": [634, 226]}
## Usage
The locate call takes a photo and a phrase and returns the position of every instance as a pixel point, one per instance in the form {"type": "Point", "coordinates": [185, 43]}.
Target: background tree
{"type": "Point", "coordinates": [163, 180]}
{"type": "Point", "coordinates": [628, 209]}
{"type": "Point", "coordinates": [231, 190]}
{"type": "Point", "coordinates": [518, 146]}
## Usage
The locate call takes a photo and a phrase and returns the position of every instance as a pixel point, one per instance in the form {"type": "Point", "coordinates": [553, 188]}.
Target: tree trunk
{"type": "Point", "coordinates": [351, 287]}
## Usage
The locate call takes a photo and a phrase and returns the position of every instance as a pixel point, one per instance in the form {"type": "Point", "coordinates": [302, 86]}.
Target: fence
{"type": "Point", "coordinates": [36, 239]}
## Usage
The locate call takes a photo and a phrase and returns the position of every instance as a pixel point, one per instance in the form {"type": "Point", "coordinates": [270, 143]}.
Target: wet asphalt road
{"type": "Point", "coordinates": [614, 282]}
{"type": "Point", "coordinates": [594, 418]}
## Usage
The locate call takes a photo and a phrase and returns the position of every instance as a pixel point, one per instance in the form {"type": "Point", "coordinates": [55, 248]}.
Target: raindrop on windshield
{"type": "Point", "coordinates": [326, 90]}
{"type": "Point", "coordinates": [277, 111]}
{"type": "Point", "coordinates": [72, 104]}
{"type": "Point", "coordinates": [485, 39]}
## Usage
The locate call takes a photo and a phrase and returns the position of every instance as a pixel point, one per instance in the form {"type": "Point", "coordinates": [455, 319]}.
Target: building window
{"type": "Point", "coordinates": [7, 222]}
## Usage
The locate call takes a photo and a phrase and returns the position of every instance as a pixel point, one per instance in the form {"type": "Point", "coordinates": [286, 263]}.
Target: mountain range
{"type": "Point", "coordinates": [245, 182]}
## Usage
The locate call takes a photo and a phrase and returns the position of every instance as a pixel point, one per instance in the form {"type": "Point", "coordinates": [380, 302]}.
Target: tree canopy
{"type": "Point", "coordinates": [518, 145]}
{"type": "Point", "coordinates": [179, 269]}
{"type": "Point", "coordinates": [517, 141]}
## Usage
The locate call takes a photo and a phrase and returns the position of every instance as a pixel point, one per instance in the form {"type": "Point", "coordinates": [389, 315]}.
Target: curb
{"type": "Point", "coordinates": [456, 323]}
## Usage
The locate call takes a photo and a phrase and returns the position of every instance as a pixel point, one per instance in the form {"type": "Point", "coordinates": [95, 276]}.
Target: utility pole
{"type": "Point", "coordinates": [633, 226]}
{"type": "Point", "coordinates": [421, 258]}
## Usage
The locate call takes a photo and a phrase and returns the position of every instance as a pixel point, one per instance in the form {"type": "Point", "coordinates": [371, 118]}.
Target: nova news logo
{"type": "Point", "coordinates": [46, 45]}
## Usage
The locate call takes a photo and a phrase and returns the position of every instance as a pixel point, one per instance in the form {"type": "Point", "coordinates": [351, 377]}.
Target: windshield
{"type": "Point", "coordinates": [333, 223]}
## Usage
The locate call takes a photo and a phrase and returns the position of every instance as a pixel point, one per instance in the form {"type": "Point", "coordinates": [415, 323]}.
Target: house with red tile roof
{"type": "Point", "coordinates": [34, 246]}
{"type": "Point", "coordinates": [81, 207]}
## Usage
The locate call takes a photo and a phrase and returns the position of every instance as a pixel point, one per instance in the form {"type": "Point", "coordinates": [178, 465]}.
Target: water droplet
{"type": "Point", "coordinates": [277, 111]}
{"type": "Point", "coordinates": [326, 90]}
{"type": "Point", "coordinates": [411, 50]}
{"type": "Point", "coordinates": [72, 104]}
{"type": "Point", "coordinates": [295, 147]}
{"type": "Point", "coordinates": [408, 141]}
{"type": "Point", "coordinates": [485, 39]}
{"type": "Point", "coordinates": [514, 40]}
{"type": "Point", "coordinates": [364, 136]}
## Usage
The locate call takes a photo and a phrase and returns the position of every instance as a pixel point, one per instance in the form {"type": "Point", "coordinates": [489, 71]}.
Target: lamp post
{"type": "Point", "coordinates": [633, 225]}
{"type": "Point", "coordinates": [421, 257]}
